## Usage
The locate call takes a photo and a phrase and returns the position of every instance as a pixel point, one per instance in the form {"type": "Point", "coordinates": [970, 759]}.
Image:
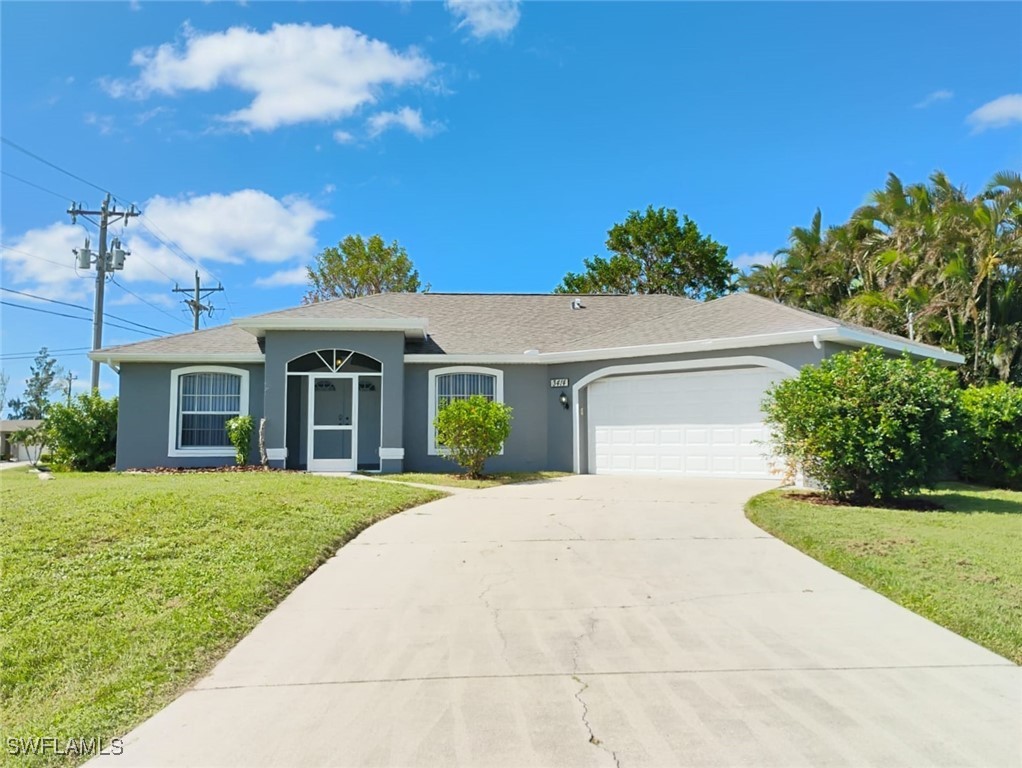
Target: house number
{"type": "Point", "coordinates": [554, 383]}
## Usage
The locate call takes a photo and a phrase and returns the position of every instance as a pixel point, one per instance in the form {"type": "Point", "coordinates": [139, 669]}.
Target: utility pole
{"type": "Point", "coordinates": [103, 262]}
{"type": "Point", "coordinates": [199, 294]}
{"type": "Point", "coordinates": [71, 379]}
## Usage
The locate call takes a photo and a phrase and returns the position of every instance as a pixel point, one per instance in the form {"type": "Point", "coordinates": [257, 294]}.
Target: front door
{"type": "Point", "coordinates": [333, 423]}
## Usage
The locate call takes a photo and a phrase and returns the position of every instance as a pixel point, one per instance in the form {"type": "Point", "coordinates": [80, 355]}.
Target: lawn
{"type": "Point", "coordinates": [464, 481]}
{"type": "Point", "coordinates": [117, 591]}
{"type": "Point", "coordinates": [960, 567]}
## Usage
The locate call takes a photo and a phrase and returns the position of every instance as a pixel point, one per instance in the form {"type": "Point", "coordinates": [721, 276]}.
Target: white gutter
{"type": "Point", "coordinates": [413, 327]}
{"type": "Point", "coordinates": [838, 335]}
{"type": "Point", "coordinates": [113, 359]}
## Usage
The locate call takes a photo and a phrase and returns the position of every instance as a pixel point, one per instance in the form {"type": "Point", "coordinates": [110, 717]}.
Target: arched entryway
{"type": "Point", "coordinates": [334, 411]}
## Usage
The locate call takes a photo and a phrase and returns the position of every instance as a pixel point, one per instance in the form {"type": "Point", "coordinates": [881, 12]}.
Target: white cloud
{"type": "Point", "coordinates": [103, 123]}
{"type": "Point", "coordinates": [248, 226]}
{"type": "Point", "coordinates": [329, 189]}
{"type": "Point", "coordinates": [343, 137]}
{"type": "Point", "coordinates": [933, 98]}
{"type": "Point", "coordinates": [297, 72]}
{"type": "Point", "coordinates": [144, 117]}
{"type": "Point", "coordinates": [41, 260]}
{"type": "Point", "coordinates": [406, 117]}
{"type": "Point", "coordinates": [746, 260]}
{"type": "Point", "coordinates": [296, 276]}
{"type": "Point", "coordinates": [486, 18]}
{"type": "Point", "coordinates": [1000, 112]}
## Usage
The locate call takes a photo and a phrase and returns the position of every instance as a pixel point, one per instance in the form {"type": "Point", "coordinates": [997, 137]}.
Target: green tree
{"type": "Point", "coordinates": [472, 430]}
{"type": "Point", "coordinates": [868, 427]}
{"type": "Point", "coordinates": [923, 260]}
{"type": "Point", "coordinates": [359, 267]}
{"type": "Point", "coordinates": [83, 435]}
{"type": "Point", "coordinates": [42, 382]}
{"type": "Point", "coordinates": [655, 252]}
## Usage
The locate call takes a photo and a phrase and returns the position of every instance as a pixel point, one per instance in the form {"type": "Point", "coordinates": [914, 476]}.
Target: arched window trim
{"type": "Point", "coordinates": [174, 426]}
{"type": "Point", "coordinates": [334, 362]}
{"type": "Point", "coordinates": [498, 397]}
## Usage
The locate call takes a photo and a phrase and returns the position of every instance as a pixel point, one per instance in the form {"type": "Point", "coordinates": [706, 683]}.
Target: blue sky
{"type": "Point", "coordinates": [496, 141]}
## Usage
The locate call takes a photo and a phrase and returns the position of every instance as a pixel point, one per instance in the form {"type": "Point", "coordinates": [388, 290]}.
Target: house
{"type": "Point", "coordinates": [598, 384]}
{"type": "Point", "coordinates": [10, 449]}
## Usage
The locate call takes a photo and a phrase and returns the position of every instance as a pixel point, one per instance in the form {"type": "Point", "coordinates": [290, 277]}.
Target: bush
{"type": "Point", "coordinates": [472, 431]}
{"type": "Point", "coordinates": [82, 436]}
{"type": "Point", "coordinates": [993, 435]}
{"type": "Point", "coordinates": [239, 432]}
{"type": "Point", "coordinates": [868, 427]}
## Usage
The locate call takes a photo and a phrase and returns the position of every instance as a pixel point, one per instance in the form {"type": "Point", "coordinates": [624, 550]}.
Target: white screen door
{"type": "Point", "coordinates": [333, 423]}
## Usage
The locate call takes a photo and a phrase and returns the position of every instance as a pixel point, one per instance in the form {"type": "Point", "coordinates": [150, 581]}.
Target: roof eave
{"type": "Point", "coordinates": [412, 327]}
{"type": "Point", "coordinates": [114, 358]}
{"type": "Point", "coordinates": [856, 338]}
{"type": "Point", "coordinates": [833, 333]}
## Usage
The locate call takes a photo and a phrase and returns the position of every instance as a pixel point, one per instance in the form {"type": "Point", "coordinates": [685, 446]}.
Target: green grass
{"type": "Point", "coordinates": [117, 591]}
{"type": "Point", "coordinates": [960, 567]}
{"type": "Point", "coordinates": [463, 481]}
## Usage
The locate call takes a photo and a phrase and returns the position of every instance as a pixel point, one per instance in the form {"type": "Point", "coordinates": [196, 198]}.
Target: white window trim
{"type": "Point", "coordinates": [498, 397]}
{"type": "Point", "coordinates": [174, 425]}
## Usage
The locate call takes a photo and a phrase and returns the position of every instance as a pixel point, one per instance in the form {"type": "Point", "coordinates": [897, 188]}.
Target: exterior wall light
{"type": "Point", "coordinates": [564, 400]}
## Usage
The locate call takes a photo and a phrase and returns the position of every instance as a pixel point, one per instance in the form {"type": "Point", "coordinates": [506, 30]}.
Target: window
{"type": "Point", "coordinates": [202, 399]}
{"type": "Point", "coordinates": [459, 383]}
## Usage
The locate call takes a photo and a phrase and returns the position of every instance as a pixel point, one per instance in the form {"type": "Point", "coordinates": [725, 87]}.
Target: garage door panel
{"type": "Point", "coordinates": [703, 424]}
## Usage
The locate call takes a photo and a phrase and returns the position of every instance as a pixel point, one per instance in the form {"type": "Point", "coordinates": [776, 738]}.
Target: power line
{"type": "Point", "coordinates": [34, 256]}
{"type": "Point", "coordinates": [33, 354]}
{"type": "Point", "coordinates": [125, 288]}
{"type": "Point", "coordinates": [56, 167]}
{"type": "Point", "coordinates": [77, 353]}
{"type": "Point", "coordinates": [165, 239]}
{"type": "Point", "coordinates": [37, 186]}
{"type": "Point", "coordinates": [79, 306]}
{"type": "Point", "coordinates": [73, 317]}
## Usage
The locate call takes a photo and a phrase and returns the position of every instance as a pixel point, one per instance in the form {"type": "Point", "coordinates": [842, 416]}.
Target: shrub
{"type": "Point", "coordinates": [867, 426]}
{"type": "Point", "coordinates": [993, 435]}
{"type": "Point", "coordinates": [472, 431]}
{"type": "Point", "coordinates": [239, 432]}
{"type": "Point", "coordinates": [82, 436]}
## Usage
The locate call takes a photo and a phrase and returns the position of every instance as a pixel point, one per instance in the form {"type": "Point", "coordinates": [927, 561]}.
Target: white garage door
{"type": "Point", "coordinates": [700, 424]}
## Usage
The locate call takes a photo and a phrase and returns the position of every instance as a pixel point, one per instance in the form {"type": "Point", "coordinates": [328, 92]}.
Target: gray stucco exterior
{"type": "Point", "coordinates": [143, 417]}
{"type": "Point", "coordinates": [385, 347]}
{"type": "Point", "coordinates": [542, 430]}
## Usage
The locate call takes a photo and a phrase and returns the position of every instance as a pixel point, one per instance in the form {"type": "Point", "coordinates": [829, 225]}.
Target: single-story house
{"type": "Point", "coordinates": [10, 449]}
{"type": "Point", "coordinates": [599, 384]}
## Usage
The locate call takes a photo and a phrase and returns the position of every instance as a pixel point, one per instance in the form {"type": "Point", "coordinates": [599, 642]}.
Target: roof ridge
{"type": "Point", "coordinates": [384, 309]}
{"type": "Point", "coordinates": [694, 305]}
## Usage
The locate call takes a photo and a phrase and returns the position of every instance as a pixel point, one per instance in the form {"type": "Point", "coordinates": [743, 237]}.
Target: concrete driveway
{"type": "Point", "coordinates": [591, 621]}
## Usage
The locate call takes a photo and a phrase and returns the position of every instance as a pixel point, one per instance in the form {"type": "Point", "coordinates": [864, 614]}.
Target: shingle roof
{"type": "Point", "coordinates": [513, 323]}
{"type": "Point", "coordinates": [475, 323]}
{"type": "Point", "coordinates": [222, 340]}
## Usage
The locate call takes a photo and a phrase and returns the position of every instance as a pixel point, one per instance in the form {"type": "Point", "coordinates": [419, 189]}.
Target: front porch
{"type": "Point", "coordinates": [334, 412]}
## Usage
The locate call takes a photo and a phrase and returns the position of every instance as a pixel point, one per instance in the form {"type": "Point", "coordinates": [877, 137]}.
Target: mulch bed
{"type": "Point", "coordinates": [914, 504]}
{"type": "Point", "coordinates": [205, 470]}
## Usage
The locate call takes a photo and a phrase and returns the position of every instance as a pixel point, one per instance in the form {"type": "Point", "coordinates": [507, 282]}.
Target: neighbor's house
{"type": "Point", "coordinates": [12, 449]}
{"type": "Point", "coordinates": [598, 384]}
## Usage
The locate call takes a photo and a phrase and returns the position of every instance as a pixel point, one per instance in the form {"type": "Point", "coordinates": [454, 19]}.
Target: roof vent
{"type": "Point", "coordinates": [577, 304]}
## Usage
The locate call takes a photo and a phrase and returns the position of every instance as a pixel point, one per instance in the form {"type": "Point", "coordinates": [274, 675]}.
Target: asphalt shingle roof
{"type": "Point", "coordinates": [464, 323]}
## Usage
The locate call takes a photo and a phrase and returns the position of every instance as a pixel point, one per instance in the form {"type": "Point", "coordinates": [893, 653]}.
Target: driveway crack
{"type": "Point", "coordinates": [593, 739]}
